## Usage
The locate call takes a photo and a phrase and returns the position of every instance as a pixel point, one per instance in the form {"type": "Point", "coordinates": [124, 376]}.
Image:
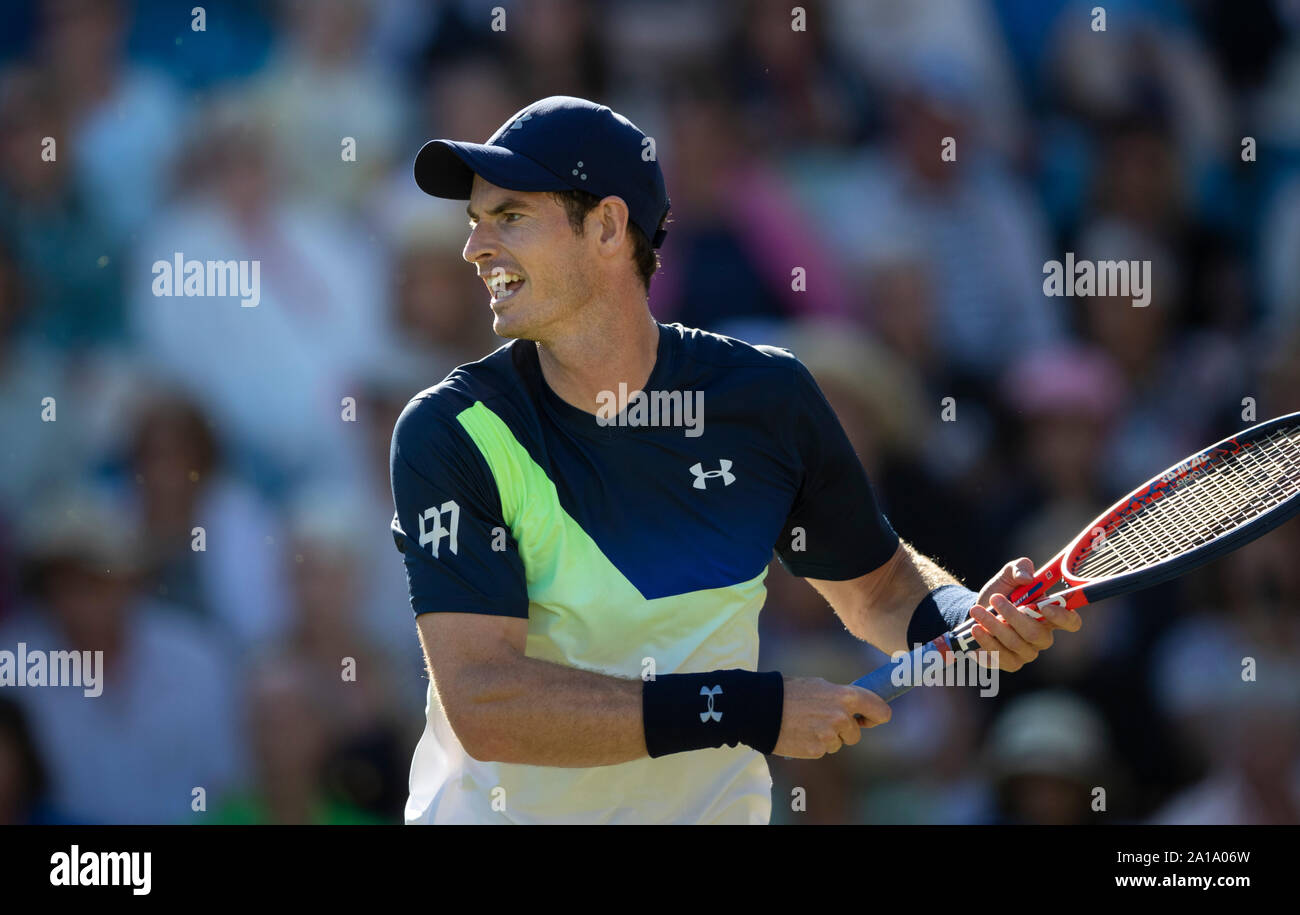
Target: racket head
{"type": "Point", "coordinates": [1201, 508]}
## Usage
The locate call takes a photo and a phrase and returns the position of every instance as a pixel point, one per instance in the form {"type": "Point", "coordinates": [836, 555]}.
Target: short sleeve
{"type": "Point", "coordinates": [835, 530]}
{"type": "Point", "coordinates": [457, 549]}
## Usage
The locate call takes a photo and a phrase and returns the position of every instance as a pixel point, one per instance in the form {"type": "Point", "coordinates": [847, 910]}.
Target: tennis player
{"type": "Point", "coordinates": [586, 518]}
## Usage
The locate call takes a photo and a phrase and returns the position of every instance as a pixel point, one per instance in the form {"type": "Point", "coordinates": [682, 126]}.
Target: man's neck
{"type": "Point", "coordinates": [600, 357]}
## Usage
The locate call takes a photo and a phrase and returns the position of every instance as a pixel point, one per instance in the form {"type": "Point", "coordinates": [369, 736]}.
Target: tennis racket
{"type": "Point", "coordinates": [1202, 508]}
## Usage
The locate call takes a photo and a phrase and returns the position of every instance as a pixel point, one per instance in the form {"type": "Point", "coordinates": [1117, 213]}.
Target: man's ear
{"type": "Point", "coordinates": [612, 216]}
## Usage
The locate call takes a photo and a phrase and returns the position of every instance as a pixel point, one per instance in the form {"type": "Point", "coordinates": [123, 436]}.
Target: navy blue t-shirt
{"type": "Point", "coordinates": [505, 494]}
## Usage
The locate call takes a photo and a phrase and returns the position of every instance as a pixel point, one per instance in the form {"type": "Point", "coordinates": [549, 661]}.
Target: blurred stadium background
{"type": "Point", "coordinates": [781, 148]}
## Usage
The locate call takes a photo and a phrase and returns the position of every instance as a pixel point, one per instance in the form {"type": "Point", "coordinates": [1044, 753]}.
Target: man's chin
{"type": "Point", "coordinates": [509, 327]}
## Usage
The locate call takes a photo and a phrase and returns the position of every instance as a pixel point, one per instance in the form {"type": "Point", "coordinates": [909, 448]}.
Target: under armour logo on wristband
{"type": "Point", "coordinates": [710, 692]}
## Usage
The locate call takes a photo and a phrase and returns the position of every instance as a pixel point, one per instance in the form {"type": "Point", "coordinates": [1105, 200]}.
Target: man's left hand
{"type": "Point", "coordinates": [1011, 636]}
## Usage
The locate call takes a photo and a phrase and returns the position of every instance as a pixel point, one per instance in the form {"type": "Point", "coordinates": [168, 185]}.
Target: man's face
{"type": "Point", "coordinates": [538, 271]}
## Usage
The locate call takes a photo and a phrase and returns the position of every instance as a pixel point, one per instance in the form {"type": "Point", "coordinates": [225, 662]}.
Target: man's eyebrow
{"type": "Point", "coordinates": [510, 203]}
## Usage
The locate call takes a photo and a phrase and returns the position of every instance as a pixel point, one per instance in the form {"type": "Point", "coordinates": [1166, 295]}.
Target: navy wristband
{"type": "Point", "coordinates": [942, 609]}
{"type": "Point", "coordinates": [719, 708]}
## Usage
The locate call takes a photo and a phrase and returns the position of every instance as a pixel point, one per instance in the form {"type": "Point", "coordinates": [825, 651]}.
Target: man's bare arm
{"type": "Point", "coordinates": [878, 606]}
{"type": "Point", "coordinates": [506, 707]}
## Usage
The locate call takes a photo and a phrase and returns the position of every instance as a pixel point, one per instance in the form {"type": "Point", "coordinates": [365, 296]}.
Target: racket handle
{"type": "Point", "coordinates": [891, 680]}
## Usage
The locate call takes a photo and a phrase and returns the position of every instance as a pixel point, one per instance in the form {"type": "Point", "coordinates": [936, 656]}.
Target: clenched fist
{"type": "Point", "coordinates": [819, 717]}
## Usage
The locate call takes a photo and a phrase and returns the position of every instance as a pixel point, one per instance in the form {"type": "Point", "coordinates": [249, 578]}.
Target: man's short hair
{"type": "Point", "coordinates": [579, 203]}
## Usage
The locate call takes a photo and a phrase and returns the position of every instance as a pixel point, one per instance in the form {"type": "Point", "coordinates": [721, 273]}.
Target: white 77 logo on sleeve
{"type": "Point", "coordinates": [435, 534]}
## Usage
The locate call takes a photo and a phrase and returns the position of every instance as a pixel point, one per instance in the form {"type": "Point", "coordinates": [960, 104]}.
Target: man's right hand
{"type": "Point", "coordinates": [819, 717]}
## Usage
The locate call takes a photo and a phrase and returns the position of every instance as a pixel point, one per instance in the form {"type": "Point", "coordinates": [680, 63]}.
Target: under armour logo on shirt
{"type": "Point", "coordinates": [701, 474]}
{"type": "Point", "coordinates": [710, 692]}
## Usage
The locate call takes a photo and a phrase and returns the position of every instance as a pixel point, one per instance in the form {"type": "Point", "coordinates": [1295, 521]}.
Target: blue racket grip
{"type": "Point", "coordinates": [883, 682]}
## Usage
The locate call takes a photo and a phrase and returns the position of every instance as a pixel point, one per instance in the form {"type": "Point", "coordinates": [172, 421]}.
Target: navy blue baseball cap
{"type": "Point", "coordinates": [556, 144]}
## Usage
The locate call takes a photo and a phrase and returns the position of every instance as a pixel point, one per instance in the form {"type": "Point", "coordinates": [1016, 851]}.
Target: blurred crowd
{"type": "Point", "coordinates": [201, 490]}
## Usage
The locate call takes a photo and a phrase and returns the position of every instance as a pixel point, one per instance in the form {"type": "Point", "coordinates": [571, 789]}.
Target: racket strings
{"type": "Point", "coordinates": [1227, 492]}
